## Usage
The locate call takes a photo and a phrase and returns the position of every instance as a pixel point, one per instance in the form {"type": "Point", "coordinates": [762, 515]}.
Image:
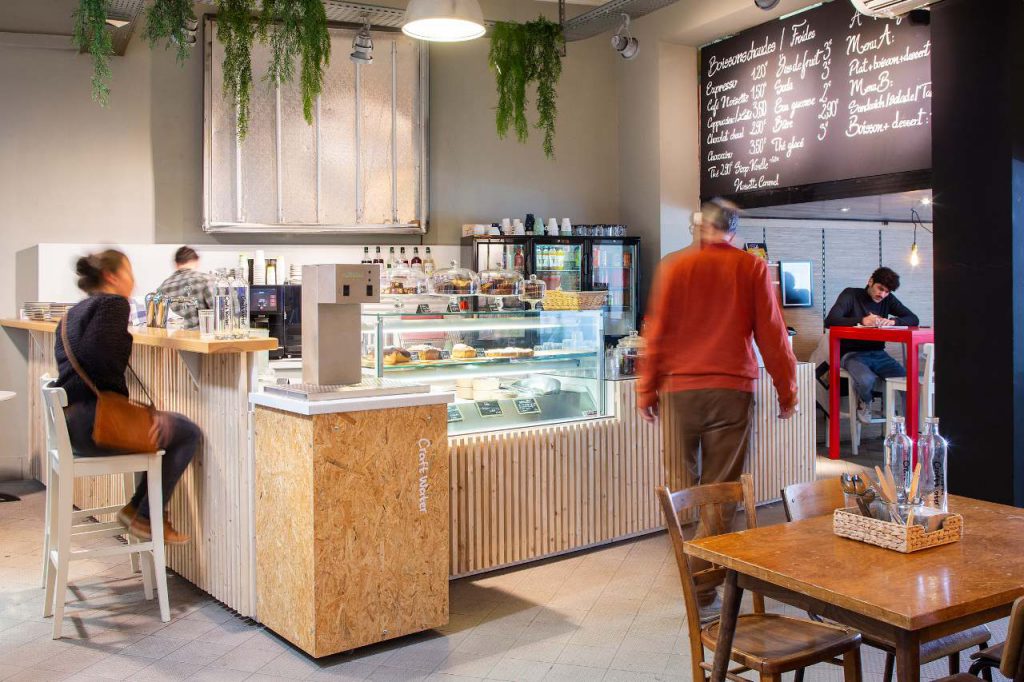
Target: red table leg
{"type": "Point", "coordinates": [913, 401]}
{"type": "Point", "coordinates": [833, 397]}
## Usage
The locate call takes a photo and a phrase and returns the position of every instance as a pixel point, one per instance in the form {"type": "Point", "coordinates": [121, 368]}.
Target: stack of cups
{"type": "Point", "coordinates": [553, 227]}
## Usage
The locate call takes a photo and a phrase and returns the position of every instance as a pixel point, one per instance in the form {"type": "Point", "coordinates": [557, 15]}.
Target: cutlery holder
{"type": "Point", "coordinates": [848, 523]}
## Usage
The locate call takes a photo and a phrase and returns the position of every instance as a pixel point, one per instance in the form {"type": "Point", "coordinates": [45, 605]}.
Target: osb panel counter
{"type": "Point", "coordinates": [352, 524]}
{"type": "Point", "coordinates": [208, 381]}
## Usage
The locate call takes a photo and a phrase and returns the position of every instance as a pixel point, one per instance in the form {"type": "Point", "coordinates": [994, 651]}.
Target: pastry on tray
{"type": "Point", "coordinates": [394, 355]}
{"type": "Point", "coordinates": [426, 351]}
{"type": "Point", "coordinates": [463, 352]}
{"type": "Point", "coordinates": [510, 352]}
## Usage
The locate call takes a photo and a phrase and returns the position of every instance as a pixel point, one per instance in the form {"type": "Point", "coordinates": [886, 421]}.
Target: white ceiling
{"type": "Point", "coordinates": [891, 207]}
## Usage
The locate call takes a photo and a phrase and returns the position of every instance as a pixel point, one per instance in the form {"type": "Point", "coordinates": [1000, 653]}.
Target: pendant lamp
{"type": "Point", "coordinates": [444, 20]}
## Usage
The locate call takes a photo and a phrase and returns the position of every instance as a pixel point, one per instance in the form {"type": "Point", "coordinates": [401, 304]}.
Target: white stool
{"type": "Point", "coordinates": [63, 469]}
{"type": "Point", "coordinates": [5, 497]}
{"type": "Point", "coordinates": [926, 404]}
{"type": "Point", "coordinates": [851, 413]}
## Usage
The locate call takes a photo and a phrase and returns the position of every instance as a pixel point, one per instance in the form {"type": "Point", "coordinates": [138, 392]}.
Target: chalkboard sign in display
{"type": "Point", "coordinates": [527, 406]}
{"type": "Point", "coordinates": [825, 95]}
{"type": "Point", "coordinates": [489, 408]}
{"type": "Point", "coordinates": [454, 413]}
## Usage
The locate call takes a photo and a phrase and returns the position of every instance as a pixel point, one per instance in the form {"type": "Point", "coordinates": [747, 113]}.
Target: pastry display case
{"type": "Point", "coordinates": [508, 369]}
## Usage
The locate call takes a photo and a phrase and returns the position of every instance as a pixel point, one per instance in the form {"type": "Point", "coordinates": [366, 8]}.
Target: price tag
{"type": "Point", "coordinates": [453, 307]}
{"type": "Point", "coordinates": [422, 308]}
{"type": "Point", "coordinates": [446, 355]}
{"type": "Point", "coordinates": [480, 352]}
{"type": "Point", "coordinates": [527, 406]}
{"type": "Point", "coordinates": [489, 408]}
{"type": "Point", "coordinates": [454, 413]}
{"type": "Point", "coordinates": [414, 356]}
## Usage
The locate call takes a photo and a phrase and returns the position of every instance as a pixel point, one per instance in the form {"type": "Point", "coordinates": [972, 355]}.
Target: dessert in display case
{"type": "Point", "coordinates": [507, 368]}
{"type": "Point", "coordinates": [497, 284]}
{"type": "Point", "coordinates": [531, 291]}
{"type": "Point", "coordinates": [454, 281]}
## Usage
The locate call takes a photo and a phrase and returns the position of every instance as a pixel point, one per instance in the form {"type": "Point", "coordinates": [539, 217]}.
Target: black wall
{"type": "Point", "coordinates": [978, 183]}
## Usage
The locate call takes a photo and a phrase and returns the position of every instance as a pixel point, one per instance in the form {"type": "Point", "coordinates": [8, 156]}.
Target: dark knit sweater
{"type": "Point", "coordinates": [99, 338]}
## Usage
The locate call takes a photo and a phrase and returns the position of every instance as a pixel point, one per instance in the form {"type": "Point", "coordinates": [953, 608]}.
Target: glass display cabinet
{"type": "Point", "coordinates": [507, 369]}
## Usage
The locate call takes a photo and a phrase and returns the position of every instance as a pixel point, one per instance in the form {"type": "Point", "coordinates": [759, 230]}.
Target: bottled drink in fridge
{"type": "Point", "coordinates": [899, 456]}
{"type": "Point", "coordinates": [932, 450]}
{"type": "Point", "coordinates": [222, 319]}
{"type": "Point", "coordinates": [520, 260]}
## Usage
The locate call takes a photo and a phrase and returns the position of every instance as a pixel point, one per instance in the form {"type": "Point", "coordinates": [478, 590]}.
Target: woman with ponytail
{"type": "Point", "coordinates": [97, 331]}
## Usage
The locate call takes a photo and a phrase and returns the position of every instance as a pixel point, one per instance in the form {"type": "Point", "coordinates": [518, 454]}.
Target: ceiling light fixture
{"type": "Point", "coordinates": [766, 4]}
{"type": "Point", "coordinates": [915, 257]}
{"type": "Point", "coordinates": [623, 41]}
{"type": "Point", "coordinates": [362, 44]}
{"type": "Point", "coordinates": [444, 21]}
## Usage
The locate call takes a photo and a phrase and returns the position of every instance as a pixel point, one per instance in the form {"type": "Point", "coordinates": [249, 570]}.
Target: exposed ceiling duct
{"type": "Point", "coordinates": [608, 16]}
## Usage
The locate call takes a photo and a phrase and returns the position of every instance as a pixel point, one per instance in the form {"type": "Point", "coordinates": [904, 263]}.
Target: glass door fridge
{"type": "Point", "coordinates": [614, 267]}
{"type": "Point", "coordinates": [559, 262]}
{"type": "Point", "coordinates": [497, 253]}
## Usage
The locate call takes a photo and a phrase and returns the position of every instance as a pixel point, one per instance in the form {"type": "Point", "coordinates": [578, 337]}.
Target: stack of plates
{"type": "Point", "coordinates": [36, 310]}
{"type": "Point", "coordinates": [58, 310]}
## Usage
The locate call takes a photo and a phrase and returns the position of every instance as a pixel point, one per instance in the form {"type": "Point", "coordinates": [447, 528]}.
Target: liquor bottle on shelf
{"type": "Point", "coordinates": [366, 256]}
{"type": "Point", "coordinates": [416, 261]}
{"type": "Point", "coordinates": [392, 260]}
{"type": "Point", "coordinates": [428, 262]}
{"type": "Point", "coordinates": [520, 259]}
{"type": "Point", "coordinates": [378, 258]}
{"type": "Point", "coordinates": [403, 259]}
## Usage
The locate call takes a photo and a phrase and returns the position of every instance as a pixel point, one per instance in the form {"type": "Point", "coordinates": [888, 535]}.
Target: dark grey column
{"type": "Point", "coordinates": [978, 181]}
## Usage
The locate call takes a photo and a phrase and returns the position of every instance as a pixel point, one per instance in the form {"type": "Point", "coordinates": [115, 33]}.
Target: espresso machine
{"type": "Point", "coordinates": [278, 308]}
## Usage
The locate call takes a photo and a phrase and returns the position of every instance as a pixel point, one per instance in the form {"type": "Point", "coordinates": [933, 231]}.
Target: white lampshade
{"type": "Point", "coordinates": [444, 20]}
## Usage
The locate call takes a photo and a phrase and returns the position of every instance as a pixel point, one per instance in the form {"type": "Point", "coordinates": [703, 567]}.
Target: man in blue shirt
{"type": "Point", "coordinates": [866, 361]}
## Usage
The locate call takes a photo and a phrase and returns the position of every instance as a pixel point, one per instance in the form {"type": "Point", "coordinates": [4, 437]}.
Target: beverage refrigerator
{"type": "Point", "coordinates": [609, 264]}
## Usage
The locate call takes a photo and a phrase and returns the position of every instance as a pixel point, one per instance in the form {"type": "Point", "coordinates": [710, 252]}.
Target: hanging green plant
{"type": "Point", "coordinates": [91, 35]}
{"type": "Point", "coordinates": [236, 30]}
{"type": "Point", "coordinates": [297, 28]}
{"type": "Point", "coordinates": [524, 54]}
{"type": "Point", "coordinates": [169, 20]}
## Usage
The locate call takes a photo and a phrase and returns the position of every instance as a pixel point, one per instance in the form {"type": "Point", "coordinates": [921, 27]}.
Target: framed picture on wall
{"type": "Point", "coordinates": [795, 281]}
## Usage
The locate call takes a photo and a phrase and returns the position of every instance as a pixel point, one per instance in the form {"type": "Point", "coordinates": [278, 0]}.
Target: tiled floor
{"type": "Point", "coordinates": [613, 614]}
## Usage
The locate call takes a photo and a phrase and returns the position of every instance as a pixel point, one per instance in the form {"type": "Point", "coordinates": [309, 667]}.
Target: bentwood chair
{"type": "Point", "coordinates": [64, 522]}
{"type": "Point", "coordinates": [767, 643]}
{"type": "Point", "coordinates": [818, 498]}
{"type": "Point", "coordinates": [1007, 657]}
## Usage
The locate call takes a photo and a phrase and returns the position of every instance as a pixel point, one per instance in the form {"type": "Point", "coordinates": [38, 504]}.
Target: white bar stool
{"type": "Point", "coordinates": [926, 406]}
{"type": "Point", "coordinates": [5, 497]}
{"type": "Point", "coordinates": [851, 413]}
{"type": "Point", "coordinates": [63, 469]}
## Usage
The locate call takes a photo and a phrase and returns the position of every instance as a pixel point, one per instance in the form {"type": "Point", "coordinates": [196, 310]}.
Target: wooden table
{"type": "Point", "coordinates": [898, 599]}
{"type": "Point", "coordinates": [913, 337]}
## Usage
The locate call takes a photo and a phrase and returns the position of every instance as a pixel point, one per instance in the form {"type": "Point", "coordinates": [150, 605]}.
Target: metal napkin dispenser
{"type": "Point", "coordinates": [332, 296]}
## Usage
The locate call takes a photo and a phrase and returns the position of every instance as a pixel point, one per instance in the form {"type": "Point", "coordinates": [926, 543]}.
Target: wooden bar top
{"type": "Point", "coordinates": [983, 570]}
{"type": "Point", "coordinates": [182, 340]}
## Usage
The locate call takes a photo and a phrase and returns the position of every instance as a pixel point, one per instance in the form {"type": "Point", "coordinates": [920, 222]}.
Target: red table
{"type": "Point", "coordinates": [912, 337]}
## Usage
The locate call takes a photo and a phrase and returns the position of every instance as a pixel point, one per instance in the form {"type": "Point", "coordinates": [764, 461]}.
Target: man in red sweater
{"type": "Point", "coordinates": [707, 303]}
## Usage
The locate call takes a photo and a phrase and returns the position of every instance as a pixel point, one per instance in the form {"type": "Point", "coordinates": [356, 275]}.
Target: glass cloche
{"type": "Point", "coordinates": [531, 290]}
{"type": "Point", "coordinates": [405, 281]}
{"type": "Point", "coordinates": [499, 282]}
{"type": "Point", "coordinates": [454, 281]}
{"type": "Point", "coordinates": [627, 354]}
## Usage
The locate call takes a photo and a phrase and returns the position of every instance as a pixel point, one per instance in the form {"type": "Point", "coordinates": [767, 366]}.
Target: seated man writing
{"type": "Point", "coordinates": [866, 361]}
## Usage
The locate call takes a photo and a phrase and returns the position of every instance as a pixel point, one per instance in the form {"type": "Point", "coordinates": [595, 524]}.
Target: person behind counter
{"type": "Point", "coordinates": [707, 302]}
{"type": "Point", "coordinates": [97, 330]}
{"type": "Point", "coordinates": [866, 361]}
{"type": "Point", "coordinates": [188, 281]}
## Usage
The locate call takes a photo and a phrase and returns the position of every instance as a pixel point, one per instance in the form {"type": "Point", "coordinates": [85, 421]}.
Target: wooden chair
{"type": "Point", "coordinates": [768, 644]}
{"type": "Point", "coordinates": [1007, 657]}
{"type": "Point", "coordinates": [818, 498]}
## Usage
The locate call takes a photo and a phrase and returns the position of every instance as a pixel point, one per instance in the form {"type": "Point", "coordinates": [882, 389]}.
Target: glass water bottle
{"type": "Point", "coordinates": [899, 456]}
{"type": "Point", "coordinates": [240, 305]}
{"type": "Point", "coordinates": [932, 450]}
{"type": "Point", "coordinates": [223, 327]}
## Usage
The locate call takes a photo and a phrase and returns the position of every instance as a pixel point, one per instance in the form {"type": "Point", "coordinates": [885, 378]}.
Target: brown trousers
{"type": "Point", "coordinates": [710, 430]}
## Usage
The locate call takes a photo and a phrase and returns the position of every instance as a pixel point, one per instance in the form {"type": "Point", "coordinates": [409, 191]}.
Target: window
{"type": "Point", "coordinates": [359, 168]}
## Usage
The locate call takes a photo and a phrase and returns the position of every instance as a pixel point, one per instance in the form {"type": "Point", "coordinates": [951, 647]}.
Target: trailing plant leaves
{"type": "Point", "coordinates": [236, 30]}
{"type": "Point", "coordinates": [524, 54]}
{"type": "Point", "coordinates": [297, 28]}
{"type": "Point", "coordinates": [166, 20]}
{"type": "Point", "coordinates": [91, 35]}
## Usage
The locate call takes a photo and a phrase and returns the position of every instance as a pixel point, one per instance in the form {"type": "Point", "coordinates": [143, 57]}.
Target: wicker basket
{"type": "Point", "coordinates": [848, 523]}
{"type": "Point", "coordinates": [574, 300]}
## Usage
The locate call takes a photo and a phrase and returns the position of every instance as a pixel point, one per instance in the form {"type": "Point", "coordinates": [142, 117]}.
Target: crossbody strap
{"type": "Point", "coordinates": [85, 377]}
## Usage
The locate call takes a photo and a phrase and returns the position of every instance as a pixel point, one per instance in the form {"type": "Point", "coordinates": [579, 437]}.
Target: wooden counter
{"type": "Point", "coordinates": [183, 340]}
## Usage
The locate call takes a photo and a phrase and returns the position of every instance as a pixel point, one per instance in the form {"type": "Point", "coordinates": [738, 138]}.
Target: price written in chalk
{"type": "Point", "coordinates": [527, 406]}
{"type": "Point", "coordinates": [489, 408]}
{"type": "Point", "coordinates": [454, 414]}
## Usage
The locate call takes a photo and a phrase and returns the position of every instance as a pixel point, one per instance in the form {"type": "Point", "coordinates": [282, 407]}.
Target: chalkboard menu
{"type": "Point", "coordinates": [825, 95]}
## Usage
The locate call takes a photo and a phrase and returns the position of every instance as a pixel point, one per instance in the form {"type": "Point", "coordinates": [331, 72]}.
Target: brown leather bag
{"type": "Point", "coordinates": [121, 423]}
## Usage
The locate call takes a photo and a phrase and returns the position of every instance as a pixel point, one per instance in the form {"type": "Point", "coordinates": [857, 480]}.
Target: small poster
{"type": "Point", "coordinates": [527, 406]}
{"type": "Point", "coordinates": [454, 413]}
{"type": "Point", "coordinates": [489, 408]}
{"type": "Point", "coordinates": [759, 249]}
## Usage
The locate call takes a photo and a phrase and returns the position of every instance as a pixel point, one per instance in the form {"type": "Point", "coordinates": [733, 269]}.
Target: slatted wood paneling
{"type": "Point", "coordinates": [522, 495]}
{"type": "Point", "coordinates": [213, 500]}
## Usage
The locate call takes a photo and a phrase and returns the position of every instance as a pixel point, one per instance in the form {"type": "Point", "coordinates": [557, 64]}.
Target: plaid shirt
{"type": "Point", "coordinates": [189, 282]}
